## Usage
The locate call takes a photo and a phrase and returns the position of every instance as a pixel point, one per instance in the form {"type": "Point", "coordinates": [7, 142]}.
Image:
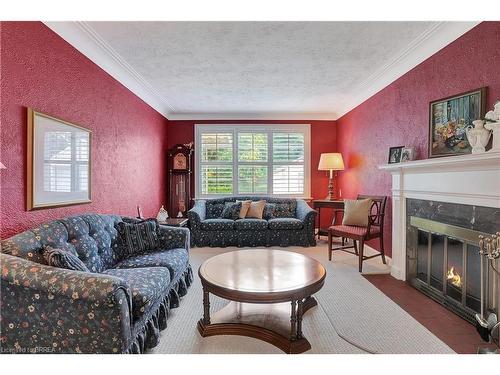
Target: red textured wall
{"type": "Point", "coordinates": [399, 114]}
{"type": "Point", "coordinates": [323, 139]}
{"type": "Point", "coordinates": [41, 70]}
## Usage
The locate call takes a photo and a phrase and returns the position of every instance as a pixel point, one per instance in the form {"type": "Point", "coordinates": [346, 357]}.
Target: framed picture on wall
{"type": "Point", "coordinates": [58, 162]}
{"type": "Point", "coordinates": [449, 119]}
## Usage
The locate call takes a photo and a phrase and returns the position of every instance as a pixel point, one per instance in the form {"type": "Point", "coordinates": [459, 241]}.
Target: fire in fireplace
{"type": "Point", "coordinates": [454, 277]}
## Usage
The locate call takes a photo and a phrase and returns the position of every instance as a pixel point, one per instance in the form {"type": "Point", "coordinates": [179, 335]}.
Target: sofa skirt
{"type": "Point", "coordinates": [146, 332]}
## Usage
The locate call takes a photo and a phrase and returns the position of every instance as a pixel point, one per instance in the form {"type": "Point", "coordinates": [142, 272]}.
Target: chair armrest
{"type": "Point", "coordinates": [197, 214]}
{"type": "Point", "coordinates": [173, 237]}
{"type": "Point", "coordinates": [58, 310]}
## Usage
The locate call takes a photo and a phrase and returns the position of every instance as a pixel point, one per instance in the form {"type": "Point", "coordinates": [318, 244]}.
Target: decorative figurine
{"type": "Point", "coordinates": [478, 136]}
{"type": "Point", "coordinates": [493, 124]}
{"type": "Point", "coordinates": [162, 215]}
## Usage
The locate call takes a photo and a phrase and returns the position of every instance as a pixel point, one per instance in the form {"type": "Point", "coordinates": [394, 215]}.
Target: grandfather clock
{"type": "Point", "coordinates": [179, 163]}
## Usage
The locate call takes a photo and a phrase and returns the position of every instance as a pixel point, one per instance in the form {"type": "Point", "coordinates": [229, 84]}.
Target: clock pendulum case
{"type": "Point", "coordinates": [179, 164]}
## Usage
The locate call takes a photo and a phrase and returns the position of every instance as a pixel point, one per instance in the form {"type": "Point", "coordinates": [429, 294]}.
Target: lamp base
{"type": "Point", "coordinates": [331, 191]}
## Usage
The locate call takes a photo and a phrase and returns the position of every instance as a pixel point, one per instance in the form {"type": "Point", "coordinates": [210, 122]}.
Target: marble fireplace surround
{"type": "Point", "coordinates": [466, 179]}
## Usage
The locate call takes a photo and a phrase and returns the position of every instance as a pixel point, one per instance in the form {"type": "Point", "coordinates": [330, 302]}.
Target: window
{"type": "Point", "coordinates": [252, 159]}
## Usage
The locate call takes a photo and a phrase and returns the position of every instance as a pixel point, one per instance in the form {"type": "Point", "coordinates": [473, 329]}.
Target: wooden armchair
{"type": "Point", "coordinates": [375, 229]}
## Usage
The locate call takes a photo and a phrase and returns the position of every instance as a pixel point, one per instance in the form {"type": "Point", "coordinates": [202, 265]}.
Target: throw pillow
{"type": "Point", "coordinates": [136, 238]}
{"type": "Point", "coordinates": [356, 212]}
{"type": "Point", "coordinates": [63, 259]}
{"type": "Point", "coordinates": [245, 205]}
{"type": "Point", "coordinates": [256, 209]}
{"type": "Point", "coordinates": [269, 209]}
{"type": "Point", "coordinates": [231, 210]}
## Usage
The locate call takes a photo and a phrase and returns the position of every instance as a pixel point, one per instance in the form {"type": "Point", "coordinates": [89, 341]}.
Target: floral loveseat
{"type": "Point", "coordinates": [292, 223]}
{"type": "Point", "coordinates": [118, 307]}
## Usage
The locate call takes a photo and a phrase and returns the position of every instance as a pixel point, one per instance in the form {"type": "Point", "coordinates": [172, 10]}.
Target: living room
{"type": "Point", "coordinates": [233, 183]}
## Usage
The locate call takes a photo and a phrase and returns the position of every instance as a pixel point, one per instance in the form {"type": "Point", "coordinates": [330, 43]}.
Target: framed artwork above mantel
{"type": "Point", "coordinates": [58, 162]}
{"type": "Point", "coordinates": [450, 117]}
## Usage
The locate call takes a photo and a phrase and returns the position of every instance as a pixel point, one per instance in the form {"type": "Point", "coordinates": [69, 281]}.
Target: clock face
{"type": "Point", "coordinates": [180, 161]}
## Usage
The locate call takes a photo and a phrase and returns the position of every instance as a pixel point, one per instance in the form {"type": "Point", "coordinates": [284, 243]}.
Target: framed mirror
{"type": "Point", "coordinates": [58, 162]}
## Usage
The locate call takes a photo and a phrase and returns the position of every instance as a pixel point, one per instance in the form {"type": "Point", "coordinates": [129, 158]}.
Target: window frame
{"type": "Point", "coordinates": [235, 129]}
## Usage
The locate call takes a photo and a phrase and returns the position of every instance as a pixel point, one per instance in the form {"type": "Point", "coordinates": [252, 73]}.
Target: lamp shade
{"type": "Point", "coordinates": [331, 161]}
{"type": "Point", "coordinates": [2, 166]}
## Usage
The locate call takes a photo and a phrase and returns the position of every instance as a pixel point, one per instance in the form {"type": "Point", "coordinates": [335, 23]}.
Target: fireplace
{"type": "Point", "coordinates": [439, 208]}
{"type": "Point", "coordinates": [443, 258]}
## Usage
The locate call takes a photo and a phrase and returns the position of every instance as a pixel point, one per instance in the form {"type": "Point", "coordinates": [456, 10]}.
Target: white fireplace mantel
{"type": "Point", "coordinates": [466, 179]}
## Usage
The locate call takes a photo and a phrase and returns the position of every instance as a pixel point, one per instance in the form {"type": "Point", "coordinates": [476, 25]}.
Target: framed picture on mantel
{"type": "Point", "coordinates": [58, 162]}
{"type": "Point", "coordinates": [449, 119]}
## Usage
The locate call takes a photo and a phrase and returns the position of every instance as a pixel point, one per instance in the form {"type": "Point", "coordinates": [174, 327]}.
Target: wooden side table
{"type": "Point", "coordinates": [318, 204]}
{"type": "Point", "coordinates": [175, 222]}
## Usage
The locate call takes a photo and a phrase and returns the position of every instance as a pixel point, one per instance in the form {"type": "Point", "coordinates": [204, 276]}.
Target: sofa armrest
{"type": "Point", "coordinates": [49, 309]}
{"type": "Point", "coordinates": [304, 211]}
{"type": "Point", "coordinates": [308, 217]}
{"type": "Point", "coordinates": [173, 237]}
{"type": "Point", "coordinates": [197, 214]}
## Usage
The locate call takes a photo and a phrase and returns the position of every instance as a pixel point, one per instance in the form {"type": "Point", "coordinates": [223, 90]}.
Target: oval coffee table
{"type": "Point", "coordinates": [269, 291]}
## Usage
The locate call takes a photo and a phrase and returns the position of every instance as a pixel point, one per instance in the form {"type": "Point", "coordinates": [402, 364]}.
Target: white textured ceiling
{"type": "Point", "coordinates": [259, 69]}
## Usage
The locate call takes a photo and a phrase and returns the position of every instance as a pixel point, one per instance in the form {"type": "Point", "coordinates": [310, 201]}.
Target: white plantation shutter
{"type": "Point", "coordinates": [288, 163]}
{"type": "Point", "coordinates": [253, 159]}
{"type": "Point", "coordinates": [216, 163]}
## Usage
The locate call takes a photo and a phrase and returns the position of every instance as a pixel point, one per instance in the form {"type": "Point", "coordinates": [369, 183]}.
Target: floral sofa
{"type": "Point", "coordinates": [119, 307]}
{"type": "Point", "coordinates": [292, 223]}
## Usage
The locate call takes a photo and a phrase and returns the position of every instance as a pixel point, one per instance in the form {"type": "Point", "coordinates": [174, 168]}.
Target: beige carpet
{"type": "Point", "coordinates": [352, 315]}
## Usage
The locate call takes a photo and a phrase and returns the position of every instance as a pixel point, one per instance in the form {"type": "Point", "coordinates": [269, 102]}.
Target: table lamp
{"type": "Point", "coordinates": [331, 161]}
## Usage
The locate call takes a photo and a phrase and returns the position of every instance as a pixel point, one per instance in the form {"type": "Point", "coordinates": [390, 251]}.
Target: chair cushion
{"type": "Point", "coordinates": [339, 230]}
{"type": "Point", "coordinates": [217, 224]}
{"type": "Point", "coordinates": [250, 224]}
{"type": "Point", "coordinates": [356, 212]}
{"type": "Point", "coordinates": [176, 260]}
{"type": "Point", "coordinates": [285, 223]}
{"type": "Point", "coordinates": [63, 259]}
{"type": "Point", "coordinates": [147, 286]}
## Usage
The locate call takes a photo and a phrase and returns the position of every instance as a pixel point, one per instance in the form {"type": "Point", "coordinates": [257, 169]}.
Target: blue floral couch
{"type": "Point", "coordinates": [292, 223]}
{"type": "Point", "coordinates": [119, 307]}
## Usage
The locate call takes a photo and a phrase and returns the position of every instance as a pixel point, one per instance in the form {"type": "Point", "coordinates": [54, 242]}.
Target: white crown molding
{"type": "Point", "coordinates": [435, 38]}
{"type": "Point", "coordinates": [87, 41]}
{"type": "Point", "coordinates": [254, 116]}
{"type": "Point", "coordinates": [81, 36]}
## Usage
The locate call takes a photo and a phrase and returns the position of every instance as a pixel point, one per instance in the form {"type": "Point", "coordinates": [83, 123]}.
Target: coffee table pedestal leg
{"type": "Point", "coordinates": [278, 324]}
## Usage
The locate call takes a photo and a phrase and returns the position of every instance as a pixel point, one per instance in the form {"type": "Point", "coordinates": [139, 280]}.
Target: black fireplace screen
{"type": "Point", "coordinates": [444, 263]}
